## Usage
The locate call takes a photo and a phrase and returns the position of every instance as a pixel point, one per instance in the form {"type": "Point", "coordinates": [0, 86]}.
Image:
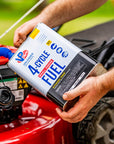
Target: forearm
{"type": "Point", "coordinates": [56, 14]}
{"type": "Point", "coordinates": [62, 11]}
{"type": "Point", "coordinates": [106, 80]}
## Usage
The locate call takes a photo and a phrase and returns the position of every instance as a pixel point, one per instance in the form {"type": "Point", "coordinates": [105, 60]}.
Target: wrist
{"type": "Point", "coordinates": [41, 18]}
{"type": "Point", "coordinates": [104, 82]}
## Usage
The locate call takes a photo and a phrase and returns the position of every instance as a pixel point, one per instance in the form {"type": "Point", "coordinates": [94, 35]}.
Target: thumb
{"type": "Point", "coordinates": [72, 94]}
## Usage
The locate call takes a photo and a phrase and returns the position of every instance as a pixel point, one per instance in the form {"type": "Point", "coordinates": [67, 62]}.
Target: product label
{"type": "Point", "coordinates": [21, 56]}
{"type": "Point", "coordinates": [34, 33]}
{"type": "Point", "coordinates": [12, 84]}
{"type": "Point", "coordinates": [42, 58]}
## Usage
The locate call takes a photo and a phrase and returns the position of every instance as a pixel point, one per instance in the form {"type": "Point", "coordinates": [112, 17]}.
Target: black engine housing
{"type": "Point", "coordinates": [13, 91]}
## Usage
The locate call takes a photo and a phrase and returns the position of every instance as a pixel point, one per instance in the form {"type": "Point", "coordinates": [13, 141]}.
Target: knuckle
{"type": "Point", "coordinates": [73, 121]}
{"type": "Point", "coordinates": [15, 44]}
{"type": "Point", "coordinates": [70, 120]}
{"type": "Point", "coordinates": [83, 107]}
{"type": "Point", "coordinates": [65, 119]}
{"type": "Point", "coordinates": [81, 118]}
{"type": "Point", "coordinates": [20, 33]}
{"type": "Point", "coordinates": [17, 30]}
{"type": "Point", "coordinates": [70, 116]}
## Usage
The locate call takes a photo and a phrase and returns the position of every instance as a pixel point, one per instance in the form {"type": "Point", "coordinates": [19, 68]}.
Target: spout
{"type": "Point", "coordinates": [7, 53]}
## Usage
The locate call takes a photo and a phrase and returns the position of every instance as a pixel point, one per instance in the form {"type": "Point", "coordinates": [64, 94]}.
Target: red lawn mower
{"type": "Point", "coordinates": [27, 117]}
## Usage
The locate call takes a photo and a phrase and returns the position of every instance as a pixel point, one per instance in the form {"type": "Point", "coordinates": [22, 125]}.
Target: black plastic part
{"type": "Point", "coordinates": [97, 41]}
{"type": "Point", "coordinates": [6, 98]}
{"type": "Point", "coordinates": [111, 134]}
{"type": "Point", "coordinates": [110, 63]}
{"type": "Point", "coordinates": [85, 130]}
{"type": "Point", "coordinates": [57, 28]}
{"type": "Point", "coordinates": [8, 115]}
{"type": "Point", "coordinates": [83, 42]}
{"type": "Point", "coordinates": [103, 53]}
{"type": "Point", "coordinates": [104, 56]}
{"type": "Point", "coordinates": [98, 34]}
{"type": "Point", "coordinates": [10, 106]}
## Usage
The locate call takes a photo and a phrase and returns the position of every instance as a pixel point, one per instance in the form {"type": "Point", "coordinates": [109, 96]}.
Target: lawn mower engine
{"type": "Point", "coordinates": [13, 91]}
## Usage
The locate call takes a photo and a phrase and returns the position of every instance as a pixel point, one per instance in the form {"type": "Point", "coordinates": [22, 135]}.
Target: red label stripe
{"type": "Point", "coordinates": [45, 68]}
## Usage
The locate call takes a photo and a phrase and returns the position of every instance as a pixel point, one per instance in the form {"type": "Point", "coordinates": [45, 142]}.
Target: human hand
{"type": "Point", "coordinates": [21, 33]}
{"type": "Point", "coordinates": [90, 92]}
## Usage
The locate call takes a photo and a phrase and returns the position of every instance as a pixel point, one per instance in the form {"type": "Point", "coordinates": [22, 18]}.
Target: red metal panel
{"type": "Point", "coordinates": [39, 124]}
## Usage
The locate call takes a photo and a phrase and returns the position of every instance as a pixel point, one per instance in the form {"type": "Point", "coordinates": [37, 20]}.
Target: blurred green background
{"type": "Point", "coordinates": [12, 10]}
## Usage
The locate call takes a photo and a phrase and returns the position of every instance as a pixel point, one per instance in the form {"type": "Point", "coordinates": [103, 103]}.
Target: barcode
{"type": "Point", "coordinates": [41, 38]}
{"type": "Point", "coordinates": [21, 92]}
{"type": "Point", "coordinates": [19, 95]}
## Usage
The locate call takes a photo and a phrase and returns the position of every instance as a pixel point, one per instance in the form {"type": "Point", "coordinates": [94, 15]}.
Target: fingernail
{"type": "Point", "coordinates": [58, 110]}
{"type": "Point", "coordinates": [65, 96]}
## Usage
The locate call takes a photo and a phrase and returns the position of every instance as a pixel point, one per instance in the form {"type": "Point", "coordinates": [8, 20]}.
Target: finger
{"type": "Point", "coordinates": [82, 106]}
{"type": "Point", "coordinates": [73, 93]}
{"type": "Point", "coordinates": [19, 42]}
{"type": "Point", "coordinates": [16, 38]}
{"type": "Point", "coordinates": [75, 119]}
{"type": "Point", "coordinates": [61, 114]}
{"type": "Point", "coordinates": [21, 34]}
{"type": "Point", "coordinates": [69, 114]}
{"type": "Point", "coordinates": [24, 31]}
{"type": "Point", "coordinates": [78, 118]}
{"type": "Point", "coordinates": [75, 114]}
{"type": "Point", "coordinates": [19, 38]}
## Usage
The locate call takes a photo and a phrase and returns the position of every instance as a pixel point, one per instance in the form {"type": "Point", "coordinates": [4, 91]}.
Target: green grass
{"type": "Point", "coordinates": [9, 15]}
{"type": "Point", "coordinates": [16, 4]}
{"type": "Point", "coordinates": [5, 24]}
{"type": "Point", "coordinates": [103, 14]}
{"type": "Point", "coordinates": [83, 23]}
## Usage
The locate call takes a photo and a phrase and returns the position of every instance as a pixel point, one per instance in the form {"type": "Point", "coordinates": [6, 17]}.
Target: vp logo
{"type": "Point", "coordinates": [22, 56]}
